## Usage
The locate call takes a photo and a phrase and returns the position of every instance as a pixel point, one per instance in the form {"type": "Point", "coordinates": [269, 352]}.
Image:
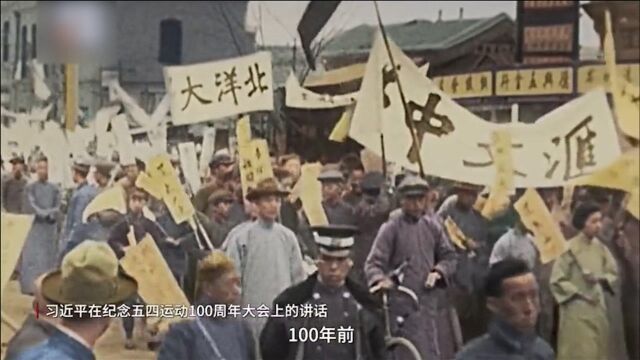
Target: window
{"type": "Point", "coordinates": [170, 42]}
{"type": "Point", "coordinates": [34, 50]}
{"type": "Point", "coordinates": [23, 52]}
{"type": "Point", "coordinates": [6, 29]}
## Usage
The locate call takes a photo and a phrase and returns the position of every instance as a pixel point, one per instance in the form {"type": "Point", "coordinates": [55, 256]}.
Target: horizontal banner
{"type": "Point", "coordinates": [220, 89]}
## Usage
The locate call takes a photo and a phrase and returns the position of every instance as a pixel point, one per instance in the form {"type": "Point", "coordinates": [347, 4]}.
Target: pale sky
{"type": "Point", "coordinates": [280, 18]}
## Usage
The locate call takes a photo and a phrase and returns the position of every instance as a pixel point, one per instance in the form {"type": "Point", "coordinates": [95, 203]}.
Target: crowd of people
{"type": "Point", "coordinates": [491, 299]}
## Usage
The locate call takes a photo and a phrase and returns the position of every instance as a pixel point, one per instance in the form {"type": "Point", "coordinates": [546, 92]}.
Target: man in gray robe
{"type": "Point", "coordinates": [42, 199]}
{"type": "Point", "coordinates": [473, 263]}
{"type": "Point", "coordinates": [266, 253]}
{"type": "Point", "coordinates": [418, 239]}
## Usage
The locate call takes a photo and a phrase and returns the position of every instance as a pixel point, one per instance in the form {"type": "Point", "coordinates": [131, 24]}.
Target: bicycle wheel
{"type": "Point", "coordinates": [404, 343]}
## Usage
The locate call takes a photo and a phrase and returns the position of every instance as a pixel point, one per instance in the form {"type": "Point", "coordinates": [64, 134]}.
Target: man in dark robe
{"type": "Point", "coordinates": [473, 262]}
{"type": "Point", "coordinates": [418, 239]}
{"type": "Point", "coordinates": [221, 168]}
{"type": "Point", "coordinates": [337, 210]}
{"type": "Point", "coordinates": [13, 185]}
{"type": "Point", "coordinates": [80, 198]}
{"type": "Point", "coordinates": [347, 303]}
{"type": "Point", "coordinates": [354, 185]}
{"type": "Point", "coordinates": [136, 222]}
{"type": "Point", "coordinates": [371, 212]}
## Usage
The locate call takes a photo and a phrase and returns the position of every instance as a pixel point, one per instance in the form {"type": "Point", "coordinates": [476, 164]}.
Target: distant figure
{"type": "Point", "coordinates": [42, 199]}
{"type": "Point", "coordinates": [13, 185]}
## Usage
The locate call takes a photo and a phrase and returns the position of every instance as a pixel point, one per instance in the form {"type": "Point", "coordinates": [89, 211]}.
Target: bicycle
{"type": "Point", "coordinates": [392, 341]}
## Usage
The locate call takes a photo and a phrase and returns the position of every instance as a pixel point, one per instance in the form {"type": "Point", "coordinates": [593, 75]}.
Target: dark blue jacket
{"type": "Point", "coordinates": [503, 342]}
{"type": "Point", "coordinates": [58, 347]}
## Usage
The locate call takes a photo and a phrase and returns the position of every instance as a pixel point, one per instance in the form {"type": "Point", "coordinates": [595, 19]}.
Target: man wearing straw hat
{"type": "Point", "coordinates": [265, 252]}
{"type": "Point", "coordinates": [88, 276]}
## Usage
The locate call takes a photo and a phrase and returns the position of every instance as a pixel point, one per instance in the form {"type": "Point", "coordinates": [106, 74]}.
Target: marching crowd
{"type": "Point", "coordinates": [491, 299]}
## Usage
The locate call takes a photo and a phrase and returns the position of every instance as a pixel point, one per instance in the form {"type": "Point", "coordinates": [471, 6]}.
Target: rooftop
{"type": "Point", "coordinates": [415, 35]}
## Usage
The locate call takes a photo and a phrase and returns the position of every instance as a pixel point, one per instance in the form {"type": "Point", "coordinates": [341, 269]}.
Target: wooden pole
{"type": "Point", "coordinates": [70, 96]}
{"type": "Point", "coordinates": [407, 117]}
{"type": "Point", "coordinates": [12, 324]}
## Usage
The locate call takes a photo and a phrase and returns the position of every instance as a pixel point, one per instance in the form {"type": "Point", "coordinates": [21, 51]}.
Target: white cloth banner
{"type": "Point", "coordinates": [573, 140]}
{"type": "Point", "coordinates": [219, 89]}
{"type": "Point", "coordinates": [208, 147]}
{"type": "Point", "coordinates": [299, 97]}
{"type": "Point", "coordinates": [126, 150]}
{"type": "Point", "coordinates": [105, 142]}
{"type": "Point", "coordinates": [58, 151]}
{"type": "Point", "coordinates": [40, 87]}
{"type": "Point", "coordinates": [189, 164]}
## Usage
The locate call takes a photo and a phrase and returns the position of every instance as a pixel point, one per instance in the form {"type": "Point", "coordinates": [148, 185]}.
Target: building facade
{"type": "Point", "coordinates": [148, 36]}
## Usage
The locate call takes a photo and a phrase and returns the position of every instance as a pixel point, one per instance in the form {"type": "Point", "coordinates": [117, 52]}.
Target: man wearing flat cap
{"type": "Point", "coordinates": [80, 198]}
{"type": "Point", "coordinates": [337, 210]}
{"type": "Point", "coordinates": [13, 185]}
{"type": "Point", "coordinates": [348, 304]}
{"type": "Point", "coordinates": [371, 212]}
{"type": "Point", "coordinates": [219, 205]}
{"type": "Point", "coordinates": [473, 262]}
{"type": "Point", "coordinates": [266, 253]}
{"type": "Point", "coordinates": [89, 276]}
{"type": "Point", "coordinates": [102, 174]}
{"type": "Point", "coordinates": [221, 169]}
{"type": "Point", "coordinates": [418, 238]}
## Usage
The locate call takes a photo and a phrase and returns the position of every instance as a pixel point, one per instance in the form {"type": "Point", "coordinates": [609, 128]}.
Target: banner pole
{"type": "Point", "coordinates": [408, 121]}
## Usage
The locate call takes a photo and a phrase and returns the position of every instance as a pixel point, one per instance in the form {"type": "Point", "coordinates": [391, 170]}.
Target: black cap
{"type": "Point", "coordinates": [331, 175]}
{"type": "Point", "coordinates": [220, 159]}
{"type": "Point", "coordinates": [335, 240]}
{"type": "Point", "coordinates": [372, 181]}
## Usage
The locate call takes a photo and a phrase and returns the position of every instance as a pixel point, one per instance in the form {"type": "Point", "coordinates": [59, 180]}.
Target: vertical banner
{"type": "Point", "coordinates": [12, 237]}
{"type": "Point", "coordinates": [503, 184]}
{"type": "Point", "coordinates": [156, 284]}
{"type": "Point", "coordinates": [120, 128]}
{"type": "Point", "coordinates": [189, 164]}
{"type": "Point", "coordinates": [161, 179]}
{"type": "Point", "coordinates": [70, 96]}
{"type": "Point", "coordinates": [208, 148]}
{"type": "Point", "coordinates": [537, 218]}
{"type": "Point", "coordinates": [255, 163]}
{"type": "Point", "coordinates": [309, 190]}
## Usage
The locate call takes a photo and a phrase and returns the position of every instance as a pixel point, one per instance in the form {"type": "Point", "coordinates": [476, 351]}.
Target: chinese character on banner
{"type": "Point", "coordinates": [161, 178]}
{"type": "Point", "coordinates": [219, 89]}
{"type": "Point", "coordinates": [537, 218]}
{"type": "Point", "coordinates": [575, 151]}
{"type": "Point", "coordinates": [255, 163]}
